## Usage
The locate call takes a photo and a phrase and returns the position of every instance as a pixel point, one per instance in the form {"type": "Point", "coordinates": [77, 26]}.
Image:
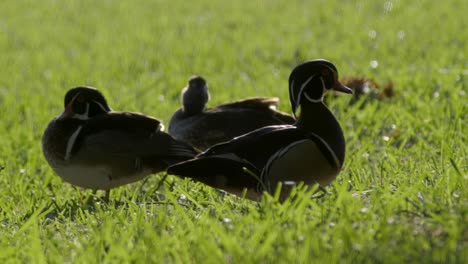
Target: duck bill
{"type": "Point", "coordinates": [67, 112]}
{"type": "Point", "coordinates": [339, 87]}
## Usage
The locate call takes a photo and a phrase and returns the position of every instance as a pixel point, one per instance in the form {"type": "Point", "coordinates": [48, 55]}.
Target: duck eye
{"type": "Point", "coordinates": [326, 73]}
{"type": "Point", "coordinates": [80, 99]}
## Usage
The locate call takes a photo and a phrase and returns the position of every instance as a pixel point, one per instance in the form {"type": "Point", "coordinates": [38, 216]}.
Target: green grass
{"type": "Point", "coordinates": [402, 195]}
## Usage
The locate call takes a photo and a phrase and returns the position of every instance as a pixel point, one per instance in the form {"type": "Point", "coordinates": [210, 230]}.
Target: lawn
{"type": "Point", "coordinates": [401, 197]}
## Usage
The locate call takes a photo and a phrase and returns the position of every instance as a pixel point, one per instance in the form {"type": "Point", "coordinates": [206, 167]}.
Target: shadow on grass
{"type": "Point", "coordinates": [88, 203]}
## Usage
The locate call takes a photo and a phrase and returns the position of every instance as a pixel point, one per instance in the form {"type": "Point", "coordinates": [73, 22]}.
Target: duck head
{"type": "Point", "coordinates": [84, 103]}
{"type": "Point", "coordinates": [310, 81]}
{"type": "Point", "coordinates": [195, 95]}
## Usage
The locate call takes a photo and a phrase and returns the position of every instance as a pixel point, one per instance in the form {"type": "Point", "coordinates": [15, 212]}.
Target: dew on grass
{"type": "Point", "coordinates": [245, 76]}
{"type": "Point", "coordinates": [228, 223]}
{"type": "Point", "coordinates": [401, 34]}
{"type": "Point", "coordinates": [275, 72]}
{"type": "Point", "coordinates": [289, 183]}
{"type": "Point", "coordinates": [388, 6]}
{"type": "Point", "coordinates": [420, 196]}
{"type": "Point", "coordinates": [47, 74]}
{"type": "Point", "coordinates": [357, 247]}
{"type": "Point", "coordinates": [182, 199]}
{"type": "Point", "coordinates": [444, 70]}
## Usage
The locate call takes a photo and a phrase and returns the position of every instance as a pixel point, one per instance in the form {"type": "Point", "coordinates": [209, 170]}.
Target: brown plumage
{"type": "Point", "coordinates": [312, 150]}
{"type": "Point", "coordinates": [91, 146]}
{"type": "Point", "coordinates": [202, 127]}
{"type": "Point", "coordinates": [368, 88]}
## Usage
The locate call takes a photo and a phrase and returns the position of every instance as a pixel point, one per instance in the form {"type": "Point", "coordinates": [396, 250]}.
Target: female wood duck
{"type": "Point", "coordinates": [310, 151]}
{"type": "Point", "coordinates": [204, 128]}
{"type": "Point", "coordinates": [90, 146]}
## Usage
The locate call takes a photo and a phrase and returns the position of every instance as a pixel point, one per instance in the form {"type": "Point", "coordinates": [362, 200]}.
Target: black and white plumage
{"type": "Point", "coordinates": [91, 146]}
{"type": "Point", "coordinates": [202, 127]}
{"type": "Point", "coordinates": [312, 150]}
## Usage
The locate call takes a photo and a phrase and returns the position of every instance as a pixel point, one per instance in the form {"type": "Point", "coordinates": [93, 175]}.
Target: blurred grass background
{"type": "Point", "coordinates": [401, 197]}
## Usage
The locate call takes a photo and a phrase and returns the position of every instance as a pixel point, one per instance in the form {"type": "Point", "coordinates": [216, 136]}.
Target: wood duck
{"type": "Point", "coordinates": [310, 151]}
{"type": "Point", "coordinates": [202, 127]}
{"type": "Point", "coordinates": [91, 146]}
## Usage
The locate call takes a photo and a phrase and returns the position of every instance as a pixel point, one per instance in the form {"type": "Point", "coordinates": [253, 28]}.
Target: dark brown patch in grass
{"type": "Point", "coordinates": [367, 88]}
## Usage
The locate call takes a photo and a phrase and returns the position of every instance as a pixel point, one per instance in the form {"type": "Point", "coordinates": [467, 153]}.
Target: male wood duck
{"type": "Point", "coordinates": [310, 151]}
{"type": "Point", "coordinates": [202, 127]}
{"type": "Point", "coordinates": [91, 146]}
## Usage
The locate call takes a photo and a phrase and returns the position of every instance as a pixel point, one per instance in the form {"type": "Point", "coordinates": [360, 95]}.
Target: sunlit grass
{"type": "Point", "coordinates": [402, 195]}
